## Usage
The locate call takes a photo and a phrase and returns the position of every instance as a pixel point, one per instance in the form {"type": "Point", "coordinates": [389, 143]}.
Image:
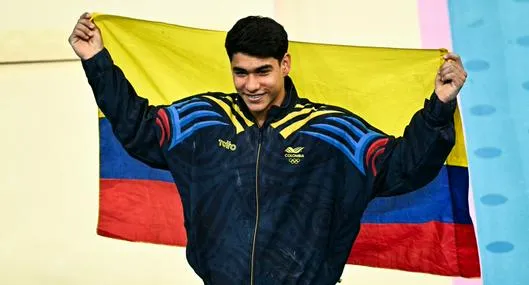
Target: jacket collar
{"type": "Point", "coordinates": [276, 112]}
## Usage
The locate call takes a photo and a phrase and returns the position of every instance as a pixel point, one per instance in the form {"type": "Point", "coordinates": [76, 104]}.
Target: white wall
{"type": "Point", "coordinates": [38, 30]}
{"type": "Point", "coordinates": [352, 22]}
{"type": "Point", "coordinates": [49, 139]}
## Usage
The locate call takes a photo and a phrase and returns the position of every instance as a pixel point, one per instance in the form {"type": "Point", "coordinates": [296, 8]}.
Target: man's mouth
{"type": "Point", "coordinates": [255, 98]}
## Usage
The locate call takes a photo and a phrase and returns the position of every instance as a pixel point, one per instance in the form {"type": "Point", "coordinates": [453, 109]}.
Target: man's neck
{"type": "Point", "coordinates": [260, 117]}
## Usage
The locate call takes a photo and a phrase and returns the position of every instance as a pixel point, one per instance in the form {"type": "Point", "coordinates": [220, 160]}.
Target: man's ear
{"type": "Point", "coordinates": [285, 64]}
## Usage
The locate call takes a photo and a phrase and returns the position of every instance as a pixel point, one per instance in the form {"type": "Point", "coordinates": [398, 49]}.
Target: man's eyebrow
{"type": "Point", "coordinates": [263, 68]}
{"type": "Point", "coordinates": [239, 69]}
{"type": "Point", "coordinates": [258, 69]}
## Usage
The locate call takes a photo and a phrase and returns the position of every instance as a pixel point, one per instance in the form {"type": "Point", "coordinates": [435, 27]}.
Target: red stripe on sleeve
{"type": "Point", "coordinates": [165, 122]}
{"type": "Point", "coordinates": [373, 151]}
{"type": "Point", "coordinates": [373, 159]}
{"type": "Point", "coordinates": [162, 138]}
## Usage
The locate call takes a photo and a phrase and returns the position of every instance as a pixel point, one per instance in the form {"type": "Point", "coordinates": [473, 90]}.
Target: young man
{"type": "Point", "coordinates": [273, 186]}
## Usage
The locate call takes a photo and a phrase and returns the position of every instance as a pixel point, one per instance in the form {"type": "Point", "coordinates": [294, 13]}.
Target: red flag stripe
{"type": "Point", "coordinates": [151, 211]}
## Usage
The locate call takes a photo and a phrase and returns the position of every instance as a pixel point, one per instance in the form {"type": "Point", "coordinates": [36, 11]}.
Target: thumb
{"type": "Point", "coordinates": [438, 78]}
{"type": "Point", "coordinates": [97, 38]}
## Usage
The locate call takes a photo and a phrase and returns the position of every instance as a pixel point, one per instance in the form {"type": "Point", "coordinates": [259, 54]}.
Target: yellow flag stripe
{"type": "Point", "coordinates": [385, 86]}
{"type": "Point", "coordinates": [458, 155]}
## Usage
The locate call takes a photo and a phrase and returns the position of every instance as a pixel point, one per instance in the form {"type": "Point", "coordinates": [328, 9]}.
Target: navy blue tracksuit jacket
{"type": "Point", "coordinates": [280, 203]}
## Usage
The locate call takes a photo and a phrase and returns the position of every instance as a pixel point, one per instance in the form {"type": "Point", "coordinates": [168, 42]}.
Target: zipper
{"type": "Point", "coordinates": [252, 281]}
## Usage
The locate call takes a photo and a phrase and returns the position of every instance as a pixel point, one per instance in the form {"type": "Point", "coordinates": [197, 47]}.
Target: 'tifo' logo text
{"type": "Point", "coordinates": [294, 154]}
{"type": "Point", "coordinates": [227, 145]}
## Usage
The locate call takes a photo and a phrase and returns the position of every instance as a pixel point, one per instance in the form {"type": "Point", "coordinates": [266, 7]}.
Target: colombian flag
{"type": "Point", "coordinates": [428, 231]}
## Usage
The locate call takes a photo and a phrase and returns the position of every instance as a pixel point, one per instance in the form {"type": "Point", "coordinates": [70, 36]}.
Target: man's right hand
{"type": "Point", "coordinates": [86, 38]}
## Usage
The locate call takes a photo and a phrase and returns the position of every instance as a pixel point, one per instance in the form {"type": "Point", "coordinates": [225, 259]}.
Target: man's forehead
{"type": "Point", "coordinates": [244, 61]}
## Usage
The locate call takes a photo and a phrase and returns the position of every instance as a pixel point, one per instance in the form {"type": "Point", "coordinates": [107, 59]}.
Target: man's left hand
{"type": "Point", "coordinates": [450, 78]}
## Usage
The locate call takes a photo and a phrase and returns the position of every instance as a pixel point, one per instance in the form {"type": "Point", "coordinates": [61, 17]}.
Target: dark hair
{"type": "Point", "coordinates": [257, 36]}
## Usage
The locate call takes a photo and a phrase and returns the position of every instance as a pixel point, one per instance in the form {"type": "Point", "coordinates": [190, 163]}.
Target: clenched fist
{"type": "Point", "coordinates": [86, 38]}
{"type": "Point", "coordinates": [450, 78]}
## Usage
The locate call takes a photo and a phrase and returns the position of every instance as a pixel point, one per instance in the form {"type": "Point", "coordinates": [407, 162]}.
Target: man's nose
{"type": "Point", "coordinates": [252, 84]}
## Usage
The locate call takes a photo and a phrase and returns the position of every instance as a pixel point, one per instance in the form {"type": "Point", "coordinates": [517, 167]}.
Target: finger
{"type": "Point", "coordinates": [459, 72]}
{"type": "Point", "coordinates": [450, 69]}
{"type": "Point", "coordinates": [80, 34]}
{"type": "Point", "coordinates": [453, 77]}
{"type": "Point", "coordinates": [452, 56]}
{"type": "Point", "coordinates": [85, 30]}
{"type": "Point", "coordinates": [446, 68]}
{"type": "Point", "coordinates": [451, 66]}
{"type": "Point", "coordinates": [85, 15]}
{"type": "Point", "coordinates": [88, 23]}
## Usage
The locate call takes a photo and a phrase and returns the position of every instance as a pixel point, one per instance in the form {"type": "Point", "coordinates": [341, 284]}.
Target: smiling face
{"type": "Point", "coordinates": [260, 82]}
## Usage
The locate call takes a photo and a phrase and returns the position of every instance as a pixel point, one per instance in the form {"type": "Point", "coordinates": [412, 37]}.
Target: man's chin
{"type": "Point", "coordinates": [256, 107]}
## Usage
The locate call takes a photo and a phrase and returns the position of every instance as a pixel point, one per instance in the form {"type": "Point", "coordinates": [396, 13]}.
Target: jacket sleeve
{"type": "Point", "coordinates": [135, 123]}
{"type": "Point", "coordinates": [407, 163]}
